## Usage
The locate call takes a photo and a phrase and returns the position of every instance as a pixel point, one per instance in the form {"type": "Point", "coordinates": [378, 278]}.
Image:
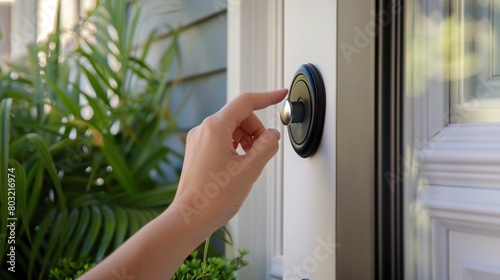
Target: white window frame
{"type": "Point", "coordinates": [255, 63]}
{"type": "Point", "coordinates": [25, 27]}
{"type": "Point", "coordinates": [452, 171]}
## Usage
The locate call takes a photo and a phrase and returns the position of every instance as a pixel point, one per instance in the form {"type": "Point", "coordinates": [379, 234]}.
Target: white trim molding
{"type": "Point", "coordinates": [463, 156]}
{"type": "Point", "coordinates": [452, 209]}
{"type": "Point", "coordinates": [458, 190]}
{"type": "Point", "coordinates": [255, 63]}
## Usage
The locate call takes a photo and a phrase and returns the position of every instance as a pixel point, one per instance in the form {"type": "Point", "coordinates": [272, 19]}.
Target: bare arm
{"type": "Point", "coordinates": [214, 183]}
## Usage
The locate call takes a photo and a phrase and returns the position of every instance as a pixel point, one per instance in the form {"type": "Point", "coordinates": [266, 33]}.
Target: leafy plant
{"type": "Point", "coordinates": [83, 122]}
{"type": "Point", "coordinates": [210, 268]}
{"type": "Point", "coordinates": [214, 268]}
{"type": "Point", "coordinates": [67, 269]}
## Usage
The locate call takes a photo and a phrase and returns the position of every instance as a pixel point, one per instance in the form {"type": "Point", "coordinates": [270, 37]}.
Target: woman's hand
{"type": "Point", "coordinates": [215, 179]}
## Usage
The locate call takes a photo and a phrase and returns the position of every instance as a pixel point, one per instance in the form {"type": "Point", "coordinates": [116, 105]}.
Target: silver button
{"type": "Point", "coordinates": [291, 112]}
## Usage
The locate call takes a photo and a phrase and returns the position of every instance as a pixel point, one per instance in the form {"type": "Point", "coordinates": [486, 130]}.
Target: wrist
{"type": "Point", "coordinates": [192, 219]}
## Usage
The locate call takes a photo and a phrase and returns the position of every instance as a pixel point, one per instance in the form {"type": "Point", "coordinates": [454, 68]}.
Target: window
{"type": "Point", "coordinates": [474, 30]}
{"type": "Point", "coordinates": [455, 55]}
{"type": "Point", "coordinates": [71, 12]}
{"type": "Point", "coordinates": [46, 14]}
{"type": "Point", "coordinates": [24, 21]}
{"type": "Point", "coordinates": [17, 26]}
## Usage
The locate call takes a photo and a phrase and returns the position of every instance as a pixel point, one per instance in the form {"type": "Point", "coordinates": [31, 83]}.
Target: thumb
{"type": "Point", "coordinates": [264, 148]}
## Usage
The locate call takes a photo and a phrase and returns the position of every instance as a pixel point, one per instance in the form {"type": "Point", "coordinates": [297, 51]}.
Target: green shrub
{"type": "Point", "coordinates": [67, 269]}
{"type": "Point", "coordinates": [194, 268]}
{"type": "Point", "coordinates": [215, 268]}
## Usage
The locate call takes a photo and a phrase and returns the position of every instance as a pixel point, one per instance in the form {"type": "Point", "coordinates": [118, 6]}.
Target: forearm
{"type": "Point", "coordinates": [156, 251]}
{"type": "Point", "coordinates": [214, 184]}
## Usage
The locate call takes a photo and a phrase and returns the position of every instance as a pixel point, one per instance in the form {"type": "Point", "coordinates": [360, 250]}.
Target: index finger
{"type": "Point", "coordinates": [243, 106]}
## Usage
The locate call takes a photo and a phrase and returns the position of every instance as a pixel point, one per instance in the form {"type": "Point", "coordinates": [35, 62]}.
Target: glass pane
{"type": "Point", "coordinates": [476, 92]}
{"type": "Point", "coordinates": [453, 54]}
{"type": "Point", "coordinates": [496, 39]}
{"type": "Point", "coordinates": [481, 38]}
{"type": "Point", "coordinates": [453, 59]}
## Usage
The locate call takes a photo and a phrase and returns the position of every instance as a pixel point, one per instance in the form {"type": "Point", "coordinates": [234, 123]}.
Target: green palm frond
{"type": "Point", "coordinates": [5, 108]}
{"type": "Point", "coordinates": [84, 182]}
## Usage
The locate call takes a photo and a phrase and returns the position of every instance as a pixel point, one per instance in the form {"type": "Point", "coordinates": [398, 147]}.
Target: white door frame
{"type": "Point", "coordinates": [255, 63]}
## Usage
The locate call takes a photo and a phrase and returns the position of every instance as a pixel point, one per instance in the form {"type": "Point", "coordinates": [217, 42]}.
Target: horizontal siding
{"type": "Point", "coordinates": [203, 61]}
{"type": "Point", "coordinates": [202, 47]}
{"type": "Point", "coordinates": [176, 13]}
{"type": "Point", "coordinates": [193, 101]}
{"type": "Point", "coordinates": [201, 97]}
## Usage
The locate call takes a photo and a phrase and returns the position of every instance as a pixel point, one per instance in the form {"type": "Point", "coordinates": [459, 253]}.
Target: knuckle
{"type": "Point", "coordinates": [191, 133]}
{"type": "Point", "coordinates": [209, 121]}
{"type": "Point", "coordinates": [246, 95]}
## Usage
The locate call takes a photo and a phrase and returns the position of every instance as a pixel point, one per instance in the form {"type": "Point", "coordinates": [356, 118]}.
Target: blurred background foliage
{"type": "Point", "coordinates": [83, 124]}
